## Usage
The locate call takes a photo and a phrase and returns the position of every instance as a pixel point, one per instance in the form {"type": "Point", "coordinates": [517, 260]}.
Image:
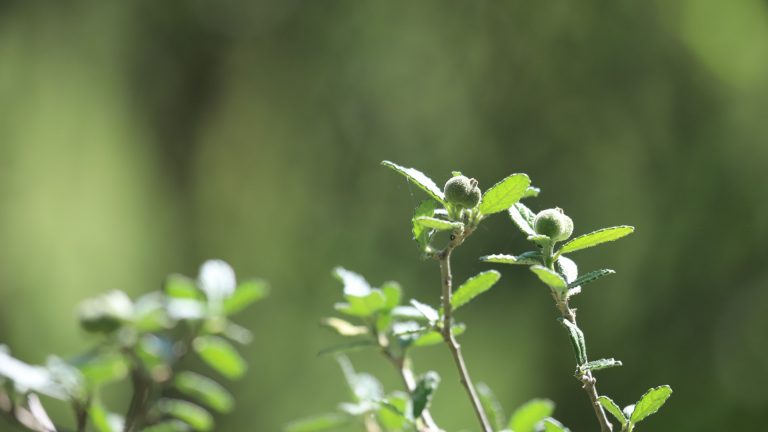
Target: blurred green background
{"type": "Point", "coordinates": [140, 138]}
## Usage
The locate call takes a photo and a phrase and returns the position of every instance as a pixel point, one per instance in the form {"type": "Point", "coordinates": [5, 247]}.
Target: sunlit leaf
{"type": "Point", "coordinates": [527, 416]}
{"type": "Point", "coordinates": [395, 410]}
{"type": "Point", "coordinates": [504, 194]}
{"type": "Point", "coordinates": [193, 415]}
{"type": "Point", "coordinates": [434, 337]}
{"type": "Point", "coordinates": [596, 365]}
{"type": "Point", "coordinates": [491, 406]}
{"type": "Point", "coordinates": [473, 287]}
{"type": "Point", "coordinates": [344, 328]}
{"type": "Point", "coordinates": [525, 258]}
{"type": "Point", "coordinates": [392, 294]}
{"type": "Point", "coordinates": [650, 402]}
{"type": "Point", "coordinates": [247, 293]}
{"type": "Point", "coordinates": [426, 310]}
{"type": "Point", "coordinates": [610, 406]}
{"type": "Point", "coordinates": [220, 355]}
{"type": "Point", "coordinates": [550, 278]}
{"type": "Point", "coordinates": [552, 425]}
{"type": "Point", "coordinates": [418, 178]}
{"type": "Point", "coordinates": [204, 390]}
{"type": "Point", "coordinates": [179, 286]}
{"type": "Point", "coordinates": [531, 192]}
{"type": "Point", "coordinates": [595, 238]}
{"type": "Point", "coordinates": [523, 217]}
{"type": "Point", "coordinates": [421, 233]}
{"type": "Point", "coordinates": [438, 224]}
{"type": "Point", "coordinates": [567, 268]}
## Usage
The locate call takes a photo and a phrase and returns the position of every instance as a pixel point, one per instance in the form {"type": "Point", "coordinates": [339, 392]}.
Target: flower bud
{"type": "Point", "coordinates": [554, 224]}
{"type": "Point", "coordinates": [462, 192]}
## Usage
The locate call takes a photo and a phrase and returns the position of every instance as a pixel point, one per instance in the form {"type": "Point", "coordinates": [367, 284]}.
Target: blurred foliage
{"type": "Point", "coordinates": [137, 137]}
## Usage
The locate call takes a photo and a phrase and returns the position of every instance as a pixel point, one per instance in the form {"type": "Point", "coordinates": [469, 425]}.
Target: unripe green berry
{"type": "Point", "coordinates": [462, 192]}
{"type": "Point", "coordinates": [554, 224]}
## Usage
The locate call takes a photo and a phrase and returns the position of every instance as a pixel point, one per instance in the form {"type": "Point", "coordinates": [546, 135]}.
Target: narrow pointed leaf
{"type": "Point", "coordinates": [552, 279]}
{"type": "Point", "coordinates": [204, 390]}
{"type": "Point", "coordinates": [220, 355]}
{"type": "Point", "coordinates": [523, 217]}
{"type": "Point", "coordinates": [577, 341]}
{"type": "Point", "coordinates": [438, 224]}
{"type": "Point", "coordinates": [530, 414]}
{"type": "Point", "coordinates": [651, 401]}
{"type": "Point", "coordinates": [595, 238]}
{"type": "Point", "coordinates": [325, 422]}
{"type": "Point", "coordinates": [596, 365]}
{"type": "Point", "coordinates": [589, 277]}
{"type": "Point", "coordinates": [504, 194]}
{"type": "Point", "coordinates": [525, 258]}
{"type": "Point", "coordinates": [420, 179]}
{"type": "Point", "coordinates": [193, 415]}
{"type": "Point", "coordinates": [491, 406]}
{"type": "Point", "coordinates": [473, 287]}
{"type": "Point", "coordinates": [610, 406]}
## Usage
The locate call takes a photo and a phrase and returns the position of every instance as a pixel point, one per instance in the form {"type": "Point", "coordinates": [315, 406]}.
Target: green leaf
{"type": "Point", "coordinates": [473, 287]}
{"type": "Point", "coordinates": [531, 192]}
{"type": "Point", "coordinates": [343, 328]}
{"type": "Point", "coordinates": [348, 347]}
{"type": "Point", "coordinates": [324, 422]}
{"type": "Point", "coordinates": [610, 406]}
{"type": "Point", "coordinates": [395, 411]}
{"type": "Point", "coordinates": [168, 426]}
{"type": "Point", "coordinates": [527, 416]}
{"type": "Point", "coordinates": [651, 401]}
{"type": "Point", "coordinates": [392, 294]}
{"type": "Point", "coordinates": [179, 286]}
{"type": "Point", "coordinates": [247, 293]}
{"type": "Point", "coordinates": [421, 233]}
{"type": "Point", "coordinates": [354, 284]}
{"type": "Point", "coordinates": [539, 239]}
{"type": "Point", "coordinates": [420, 179]}
{"type": "Point", "coordinates": [438, 224]}
{"type": "Point", "coordinates": [426, 310]}
{"type": "Point", "coordinates": [102, 368]}
{"type": "Point", "coordinates": [567, 269]}
{"type": "Point", "coordinates": [595, 238]}
{"type": "Point", "coordinates": [552, 279]}
{"type": "Point", "coordinates": [525, 258]}
{"type": "Point", "coordinates": [523, 217]}
{"type": "Point", "coordinates": [363, 301]}
{"type": "Point", "coordinates": [589, 277]}
{"type": "Point", "coordinates": [237, 333]}
{"type": "Point", "coordinates": [596, 365]}
{"type": "Point", "coordinates": [193, 415]}
{"type": "Point", "coordinates": [504, 194]}
{"type": "Point", "coordinates": [98, 415]}
{"type": "Point", "coordinates": [577, 340]}
{"type": "Point", "coordinates": [434, 337]}
{"type": "Point", "coordinates": [205, 390]}
{"type": "Point", "coordinates": [220, 355]}
{"type": "Point", "coordinates": [491, 406]}
{"type": "Point", "coordinates": [422, 394]}
{"type": "Point", "coordinates": [552, 425]}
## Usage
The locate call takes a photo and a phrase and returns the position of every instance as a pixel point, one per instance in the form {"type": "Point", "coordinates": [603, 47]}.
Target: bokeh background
{"type": "Point", "coordinates": [140, 138]}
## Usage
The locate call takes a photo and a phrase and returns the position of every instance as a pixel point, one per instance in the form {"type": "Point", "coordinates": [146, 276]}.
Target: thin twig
{"type": "Point", "coordinates": [444, 257]}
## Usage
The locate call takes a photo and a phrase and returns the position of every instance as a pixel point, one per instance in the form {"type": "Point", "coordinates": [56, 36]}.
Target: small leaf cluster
{"type": "Point", "coordinates": [532, 416]}
{"type": "Point", "coordinates": [631, 415]}
{"type": "Point", "coordinates": [145, 341]}
{"type": "Point", "coordinates": [460, 206]}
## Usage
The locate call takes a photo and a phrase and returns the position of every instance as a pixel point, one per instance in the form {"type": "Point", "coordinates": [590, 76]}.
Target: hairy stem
{"type": "Point", "coordinates": [444, 257]}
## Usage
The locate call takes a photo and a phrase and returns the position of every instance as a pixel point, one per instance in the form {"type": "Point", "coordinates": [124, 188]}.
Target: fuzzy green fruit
{"type": "Point", "coordinates": [462, 192]}
{"type": "Point", "coordinates": [554, 224]}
